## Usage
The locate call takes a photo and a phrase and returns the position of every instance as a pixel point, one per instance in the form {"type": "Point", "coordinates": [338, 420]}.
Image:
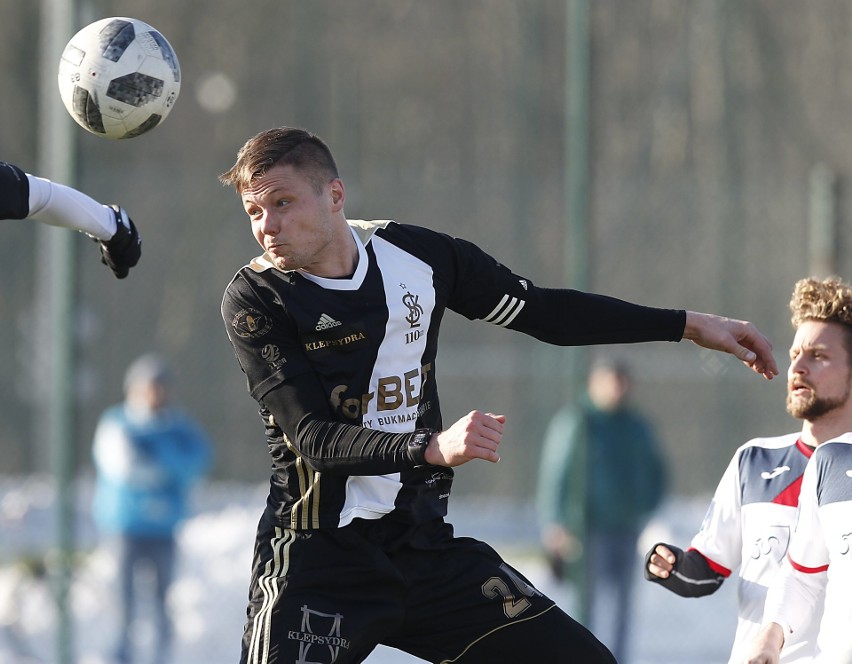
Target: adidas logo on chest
{"type": "Point", "coordinates": [326, 322]}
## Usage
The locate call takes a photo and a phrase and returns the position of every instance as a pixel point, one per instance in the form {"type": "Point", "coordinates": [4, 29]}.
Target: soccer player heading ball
{"type": "Point", "coordinates": [24, 196]}
{"type": "Point", "coordinates": [336, 329]}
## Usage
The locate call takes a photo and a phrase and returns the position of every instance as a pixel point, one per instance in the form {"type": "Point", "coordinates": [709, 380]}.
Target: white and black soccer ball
{"type": "Point", "coordinates": [119, 77]}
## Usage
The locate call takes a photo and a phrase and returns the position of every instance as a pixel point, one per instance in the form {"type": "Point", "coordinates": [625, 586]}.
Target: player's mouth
{"type": "Point", "coordinates": [799, 389]}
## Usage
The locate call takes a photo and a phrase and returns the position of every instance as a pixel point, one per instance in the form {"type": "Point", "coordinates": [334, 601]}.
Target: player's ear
{"type": "Point", "coordinates": [338, 194]}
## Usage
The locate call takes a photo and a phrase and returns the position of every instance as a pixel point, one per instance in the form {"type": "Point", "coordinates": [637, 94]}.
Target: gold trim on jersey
{"type": "Point", "coordinates": [365, 229]}
{"type": "Point", "coordinates": [261, 263]}
{"type": "Point", "coordinates": [304, 514]}
{"type": "Point", "coordinates": [269, 583]}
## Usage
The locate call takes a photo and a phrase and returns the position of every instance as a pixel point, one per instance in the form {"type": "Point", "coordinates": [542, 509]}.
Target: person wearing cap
{"type": "Point", "coordinates": [147, 454]}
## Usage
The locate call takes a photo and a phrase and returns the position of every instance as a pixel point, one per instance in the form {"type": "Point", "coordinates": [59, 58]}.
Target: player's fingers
{"type": "Point", "coordinates": [663, 563]}
{"type": "Point", "coordinates": [501, 419]}
{"type": "Point", "coordinates": [656, 570]}
{"type": "Point", "coordinates": [755, 350]}
{"type": "Point", "coordinates": [491, 421]}
{"type": "Point", "coordinates": [665, 553]}
{"type": "Point", "coordinates": [486, 448]}
{"type": "Point", "coordinates": [487, 426]}
{"type": "Point", "coordinates": [483, 446]}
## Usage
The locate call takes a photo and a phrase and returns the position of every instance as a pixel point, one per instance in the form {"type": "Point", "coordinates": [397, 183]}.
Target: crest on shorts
{"type": "Point", "coordinates": [320, 637]}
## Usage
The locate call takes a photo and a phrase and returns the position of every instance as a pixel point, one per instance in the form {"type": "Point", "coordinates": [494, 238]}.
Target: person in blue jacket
{"type": "Point", "coordinates": [147, 454]}
{"type": "Point", "coordinates": [602, 476]}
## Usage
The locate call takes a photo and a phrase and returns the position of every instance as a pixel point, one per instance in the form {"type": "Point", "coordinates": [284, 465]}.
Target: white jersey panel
{"type": "Point", "coordinates": [749, 533]}
{"type": "Point", "coordinates": [823, 538]}
{"type": "Point", "coordinates": [835, 635]}
{"type": "Point", "coordinates": [398, 376]}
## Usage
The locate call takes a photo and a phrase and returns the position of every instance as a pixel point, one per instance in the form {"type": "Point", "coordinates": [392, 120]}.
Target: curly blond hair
{"type": "Point", "coordinates": [827, 300]}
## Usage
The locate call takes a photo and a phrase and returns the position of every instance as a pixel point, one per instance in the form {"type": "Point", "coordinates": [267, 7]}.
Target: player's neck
{"type": "Point", "coordinates": [829, 426]}
{"type": "Point", "coordinates": [340, 258]}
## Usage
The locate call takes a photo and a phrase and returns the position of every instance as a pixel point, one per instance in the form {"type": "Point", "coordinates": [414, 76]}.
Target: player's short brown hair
{"type": "Point", "coordinates": [289, 146]}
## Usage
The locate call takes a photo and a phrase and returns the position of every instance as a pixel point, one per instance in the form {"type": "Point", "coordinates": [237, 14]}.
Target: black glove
{"type": "Point", "coordinates": [122, 251]}
{"type": "Point", "coordinates": [691, 574]}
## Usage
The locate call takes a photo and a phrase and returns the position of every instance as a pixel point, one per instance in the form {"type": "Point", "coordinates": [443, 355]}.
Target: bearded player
{"type": "Point", "coordinates": [25, 196]}
{"type": "Point", "coordinates": [754, 509]}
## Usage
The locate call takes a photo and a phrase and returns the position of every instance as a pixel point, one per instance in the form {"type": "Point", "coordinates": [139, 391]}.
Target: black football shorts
{"type": "Point", "coordinates": [332, 595]}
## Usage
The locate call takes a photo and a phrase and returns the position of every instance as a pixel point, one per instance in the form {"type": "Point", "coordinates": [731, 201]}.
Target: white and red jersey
{"type": "Point", "coordinates": [748, 527]}
{"type": "Point", "coordinates": [819, 561]}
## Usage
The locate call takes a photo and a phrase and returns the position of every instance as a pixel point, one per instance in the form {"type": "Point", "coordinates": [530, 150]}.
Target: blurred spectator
{"type": "Point", "coordinates": [602, 475]}
{"type": "Point", "coordinates": [147, 456]}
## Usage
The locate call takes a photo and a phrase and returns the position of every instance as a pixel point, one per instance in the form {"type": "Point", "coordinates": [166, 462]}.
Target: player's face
{"type": "Point", "coordinates": [818, 381]}
{"type": "Point", "coordinates": [297, 227]}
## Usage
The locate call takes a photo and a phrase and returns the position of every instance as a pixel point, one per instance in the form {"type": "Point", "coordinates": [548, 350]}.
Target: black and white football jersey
{"type": "Point", "coordinates": [365, 347]}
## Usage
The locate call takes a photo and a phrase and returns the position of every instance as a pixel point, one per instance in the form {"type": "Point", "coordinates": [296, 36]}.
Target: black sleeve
{"type": "Point", "coordinates": [14, 192]}
{"type": "Point", "coordinates": [485, 289]}
{"type": "Point", "coordinates": [567, 317]}
{"type": "Point", "coordinates": [691, 575]}
{"type": "Point", "coordinates": [299, 409]}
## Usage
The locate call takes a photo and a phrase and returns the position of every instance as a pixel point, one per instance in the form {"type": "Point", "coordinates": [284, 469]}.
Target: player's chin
{"type": "Point", "coordinates": [283, 262]}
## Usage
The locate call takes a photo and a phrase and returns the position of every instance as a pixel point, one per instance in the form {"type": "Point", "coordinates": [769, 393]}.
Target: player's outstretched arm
{"type": "Point", "coordinates": [475, 436]}
{"type": "Point", "coordinates": [766, 648]}
{"type": "Point", "coordinates": [24, 196]}
{"type": "Point", "coordinates": [739, 338]}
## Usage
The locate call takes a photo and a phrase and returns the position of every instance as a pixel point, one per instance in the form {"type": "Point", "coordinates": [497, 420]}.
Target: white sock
{"type": "Point", "coordinates": [59, 205]}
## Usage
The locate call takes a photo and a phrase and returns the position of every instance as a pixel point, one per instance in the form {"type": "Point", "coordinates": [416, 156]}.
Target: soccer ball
{"type": "Point", "coordinates": [119, 77]}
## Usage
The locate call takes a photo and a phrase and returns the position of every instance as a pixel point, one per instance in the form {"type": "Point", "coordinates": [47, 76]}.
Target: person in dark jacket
{"type": "Point", "coordinates": [602, 476]}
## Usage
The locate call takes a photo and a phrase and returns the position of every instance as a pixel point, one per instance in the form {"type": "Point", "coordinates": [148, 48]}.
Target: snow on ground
{"type": "Point", "coordinates": [212, 581]}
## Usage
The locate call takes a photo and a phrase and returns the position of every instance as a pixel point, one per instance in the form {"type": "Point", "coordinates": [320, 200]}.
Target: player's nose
{"type": "Point", "coordinates": [269, 224]}
{"type": "Point", "coordinates": [797, 365]}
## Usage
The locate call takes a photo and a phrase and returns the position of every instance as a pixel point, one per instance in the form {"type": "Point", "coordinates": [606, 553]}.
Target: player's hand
{"type": "Point", "coordinates": [661, 562]}
{"type": "Point", "coordinates": [121, 252]}
{"type": "Point", "coordinates": [475, 436]}
{"type": "Point", "coordinates": [737, 337]}
{"type": "Point", "coordinates": [766, 648]}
